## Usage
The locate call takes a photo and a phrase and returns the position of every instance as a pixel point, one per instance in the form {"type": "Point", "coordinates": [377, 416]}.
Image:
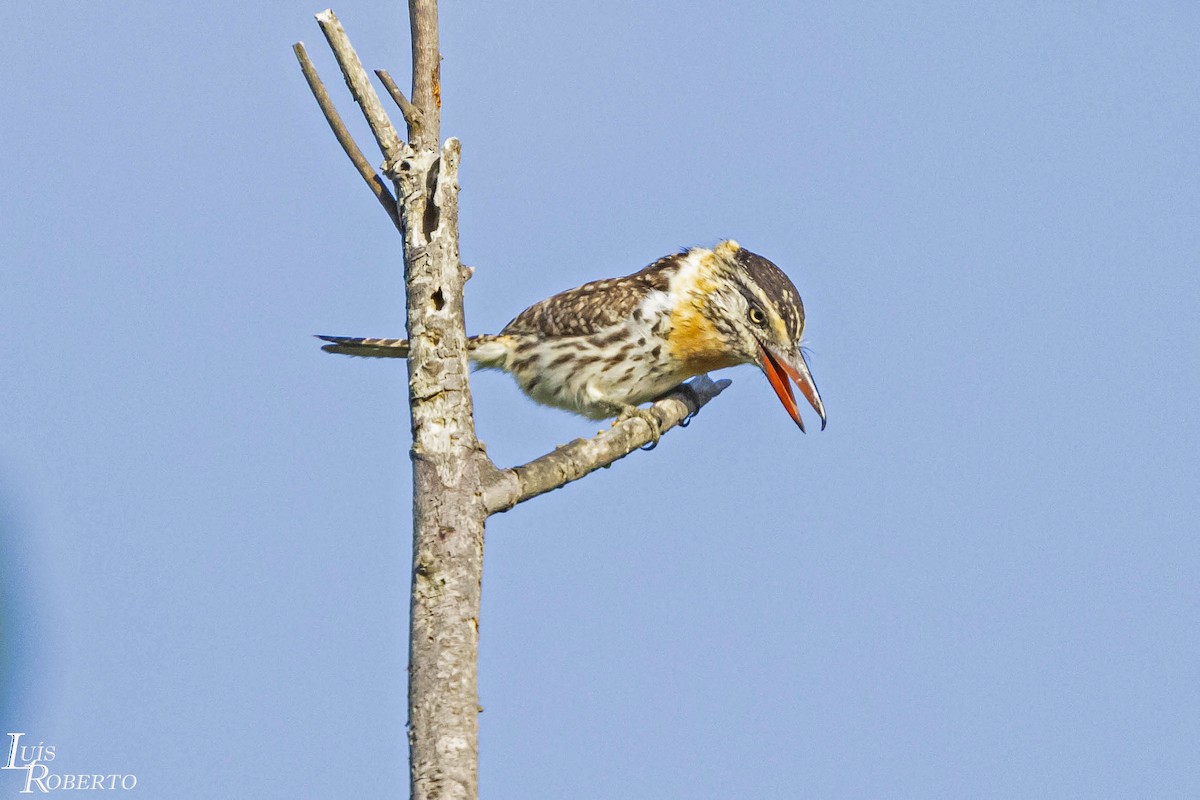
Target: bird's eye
{"type": "Point", "coordinates": [757, 316]}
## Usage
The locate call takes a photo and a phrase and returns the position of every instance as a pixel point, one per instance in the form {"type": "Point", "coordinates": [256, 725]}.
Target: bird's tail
{"type": "Point", "coordinates": [485, 351]}
{"type": "Point", "coordinates": [370, 348]}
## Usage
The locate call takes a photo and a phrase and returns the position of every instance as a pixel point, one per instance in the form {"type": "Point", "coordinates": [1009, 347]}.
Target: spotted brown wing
{"type": "Point", "coordinates": [594, 306]}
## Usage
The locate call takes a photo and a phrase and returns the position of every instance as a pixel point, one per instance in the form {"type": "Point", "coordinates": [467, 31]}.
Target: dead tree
{"type": "Point", "coordinates": [456, 487]}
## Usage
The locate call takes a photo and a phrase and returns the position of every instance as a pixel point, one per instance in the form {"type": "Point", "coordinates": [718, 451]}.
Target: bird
{"type": "Point", "coordinates": [604, 348]}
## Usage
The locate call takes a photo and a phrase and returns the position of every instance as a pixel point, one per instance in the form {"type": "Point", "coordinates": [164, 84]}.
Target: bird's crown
{"type": "Point", "coordinates": [747, 281]}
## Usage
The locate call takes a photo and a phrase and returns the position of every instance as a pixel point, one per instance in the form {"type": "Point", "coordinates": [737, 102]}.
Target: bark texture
{"type": "Point", "coordinates": [449, 469]}
{"type": "Point", "coordinates": [449, 465]}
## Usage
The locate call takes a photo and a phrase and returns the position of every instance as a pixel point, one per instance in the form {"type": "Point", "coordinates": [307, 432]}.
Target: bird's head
{"type": "Point", "coordinates": [757, 312]}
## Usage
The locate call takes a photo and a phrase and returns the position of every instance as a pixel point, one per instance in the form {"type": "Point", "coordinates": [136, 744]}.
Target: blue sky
{"type": "Point", "coordinates": [979, 581]}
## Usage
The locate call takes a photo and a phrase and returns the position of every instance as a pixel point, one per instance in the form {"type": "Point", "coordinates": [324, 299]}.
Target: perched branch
{"type": "Point", "coordinates": [412, 114]}
{"type": "Point", "coordinates": [390, 143]}
{"type": "Point", "coordinates": [576, 459]}
{"type": "Point", "coordinates": [378, 187]}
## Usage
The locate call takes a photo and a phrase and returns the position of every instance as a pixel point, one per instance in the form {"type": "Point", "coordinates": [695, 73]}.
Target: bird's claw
{"type": "Point", "coordinates": [636, 412]}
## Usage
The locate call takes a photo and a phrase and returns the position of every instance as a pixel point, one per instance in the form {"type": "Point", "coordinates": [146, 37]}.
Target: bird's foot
{"type": "Point", "coordinates": [637, 412]}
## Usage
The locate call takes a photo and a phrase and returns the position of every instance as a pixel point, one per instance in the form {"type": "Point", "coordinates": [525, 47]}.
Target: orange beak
{"type": "Point", "coordinates": [778, 370]}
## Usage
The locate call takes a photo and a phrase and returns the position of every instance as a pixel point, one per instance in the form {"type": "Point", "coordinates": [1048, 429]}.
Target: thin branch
{"type": "Point", "coordinates": [378, 187]}
{"type": "Point", "coordinates": [573, 460]}
{"type": "Point", "coordinates": [427, 73]}
{"type": "Point", "coordinates": [390, 143]}
{"type": "Point", "coordinates": [412, 114]}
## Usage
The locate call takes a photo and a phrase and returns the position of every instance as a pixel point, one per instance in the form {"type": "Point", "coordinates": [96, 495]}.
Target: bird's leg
{"type": "Point", "coordinates": [637, 412]}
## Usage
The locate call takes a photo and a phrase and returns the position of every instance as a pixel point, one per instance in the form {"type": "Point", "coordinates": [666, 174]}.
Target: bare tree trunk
{"type": "Point", "coordinates": [448, 512]}
{"type": "Point", "coordinates": [448, 462]}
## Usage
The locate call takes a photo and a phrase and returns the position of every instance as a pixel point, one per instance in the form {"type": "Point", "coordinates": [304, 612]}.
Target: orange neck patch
{"type": "Point", "coordinates": [694, 342]}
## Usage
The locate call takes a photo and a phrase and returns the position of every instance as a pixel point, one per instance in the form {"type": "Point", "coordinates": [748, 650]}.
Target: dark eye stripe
{"type": "Point", "coordinates": [776, 286]}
